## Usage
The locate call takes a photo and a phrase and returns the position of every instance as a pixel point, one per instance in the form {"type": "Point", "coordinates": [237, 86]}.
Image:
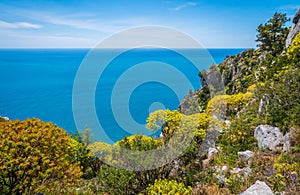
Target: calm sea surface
{"type": "Point", "coordinates": [39, 82]}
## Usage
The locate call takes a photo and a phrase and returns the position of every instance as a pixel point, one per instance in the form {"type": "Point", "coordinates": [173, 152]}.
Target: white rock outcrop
{"type": "Point", "coordinates": [271, 138]}
{"type": "Point", "coordinates": [246, 155]}
{"type": "Point", "coordinates": [259, 188]}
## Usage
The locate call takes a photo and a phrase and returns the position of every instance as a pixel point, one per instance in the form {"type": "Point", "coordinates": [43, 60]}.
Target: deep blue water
{"type": "Point", "coordinates": [39, 82]}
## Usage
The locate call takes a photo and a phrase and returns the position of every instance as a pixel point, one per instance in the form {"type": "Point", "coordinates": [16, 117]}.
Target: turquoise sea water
{"type": "Point", "coordinates": [39, 82]}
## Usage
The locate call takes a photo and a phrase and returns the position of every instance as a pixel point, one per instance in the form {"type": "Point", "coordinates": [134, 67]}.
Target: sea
{"type": "Point", "coordinates": [111, 93]}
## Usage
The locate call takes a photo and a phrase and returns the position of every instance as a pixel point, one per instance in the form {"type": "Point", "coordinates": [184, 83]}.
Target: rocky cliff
{"type": "Point", "coordinates": [294, 29]}
{"type": "Point", "coordinates": [236, 73]}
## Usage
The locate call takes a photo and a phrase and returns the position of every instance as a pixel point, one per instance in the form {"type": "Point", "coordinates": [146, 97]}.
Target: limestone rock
{"type": "Point", "coordinates": [246, 155]}
{"type": "Point", "coordinates": [271, 138]}
{"type": "Point", "coordinates": [295, 29]}
{"type": "Point", "coordinates": [224, 168]}
{"type": "Point", "coordinates": [212, 152]}
{"type": "Point", "coordinates": [236, 171]}
{"type": "Point", "coordinates": [176, 168]}
{"type": "Point", "coordinates": [209, 142]}
{"type": "Point", "coordinates": [245, 171]}
{"type": "Point", "coordinates": [4, 118]}
{"type": "Point", "coordinates": [258, 188]}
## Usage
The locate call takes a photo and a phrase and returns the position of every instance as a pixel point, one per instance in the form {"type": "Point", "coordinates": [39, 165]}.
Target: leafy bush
{"type": "Point", "coordinates": [281, 95]}
{"type": "Point", "coordinates": [116, 181]}
{"type": "Point", "coordinates": [88, 162]}
{"type": "Point", "coordinates": [167, 187]}
{"type": "Point", "coordinates": [35, 156]}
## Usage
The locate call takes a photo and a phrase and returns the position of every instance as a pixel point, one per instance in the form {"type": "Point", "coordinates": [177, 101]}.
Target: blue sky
{"type": "Point", "coordinates": [81, 24]}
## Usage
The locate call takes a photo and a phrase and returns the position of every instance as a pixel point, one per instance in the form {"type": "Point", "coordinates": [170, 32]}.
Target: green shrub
{"type": "Point", "coordinates": [116, 181]}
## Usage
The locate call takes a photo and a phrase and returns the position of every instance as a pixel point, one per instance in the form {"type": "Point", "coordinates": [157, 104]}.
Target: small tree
{"type": "Point", "coordinates": [86, 136]}
{"type": "Point", "coordinates": [272, 35]}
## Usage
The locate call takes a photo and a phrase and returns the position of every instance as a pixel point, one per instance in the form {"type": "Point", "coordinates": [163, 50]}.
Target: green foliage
{"type": "Point", "coordinates": [194, 102]}
{"type": "Point", "coordinates": [272, 35]}
{"type": "Point", "coordinates": [281, 96]}
{"type": "Point", "coordinates": [295, 138]}
{"type": "Point", "coordinates": [284, 175]}
{"type": "Point", "coordinates": [167, 187]}
{"type": "Point", "coordinates": [35, 156]}
{"type": "Point", "coordinates": [116, 181]}
{"type": "Point", "coordinates": [143, 143]}
{"type": "Point", "coordinates": [239, 71]}
{"type": "Point", "coordinates": [238, 136]}
{"type": "Point", "coordinates": [85, 158]}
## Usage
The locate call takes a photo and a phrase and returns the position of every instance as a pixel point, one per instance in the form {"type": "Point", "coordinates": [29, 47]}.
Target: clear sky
{"type": "Point", "coordinates": [81, 24]}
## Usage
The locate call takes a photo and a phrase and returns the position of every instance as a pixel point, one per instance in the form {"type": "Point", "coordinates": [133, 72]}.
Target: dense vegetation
{"type": "Point", "coordinates": [260, 87]}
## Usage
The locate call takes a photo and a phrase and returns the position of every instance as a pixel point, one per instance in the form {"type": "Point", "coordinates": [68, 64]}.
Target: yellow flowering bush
{"type": "Point", "coordinates": [139, 143]}
{"type": "Point", "coordinates": [167, 187]}
{"type": "Point", "coordinates": [156, 120]}
{"type": "Point", "coordinates": [294, 49]}
{"type": "Point", "coordinates": [228, 105]}
{"type": "Point", "coordinates": [35, 156]}
{"type": "Point", "coordinates": [174, 121]}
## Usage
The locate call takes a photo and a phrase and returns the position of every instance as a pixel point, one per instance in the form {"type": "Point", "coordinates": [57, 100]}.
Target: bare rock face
{"type": "Point", "coordinates": [258, 188]}
{"type": "Point", "coordinates": [208, 142]}
{"type": "Point", "coordinates": [246, 155]}
{"type": "Point", "coordinates": [212, 153]}
{"type": "Point", "coordinates": [271, 138]}
{"type": "Point", "coordinates": [295, 29]}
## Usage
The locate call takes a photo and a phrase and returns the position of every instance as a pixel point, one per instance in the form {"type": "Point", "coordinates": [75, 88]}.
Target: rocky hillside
{"type": "Point", "coordinates": [259, 146]}
{"type": "Point", "coordinates": [243, 125]}
{"type": "Point", "coordinates": [236, 73]}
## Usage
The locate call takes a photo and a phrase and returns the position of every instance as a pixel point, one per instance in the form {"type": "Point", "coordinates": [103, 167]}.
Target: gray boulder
{"type": "Point", "coordinates": [246, 155]}
{"type": "Point", "coordinates": [212, 152]}
{"type": "Point", "coordinates": [258, 188]}
{"type": "Point", "coordinates": [176, 168]}
{"type": "Point", "coordinates": [271, 138]}
{"type": "Point", "coordinates": [295, 29]}
{"type": "Point", "coordinates": [208, 142]}
{"type": "Point", "coordinates": [245, 171]}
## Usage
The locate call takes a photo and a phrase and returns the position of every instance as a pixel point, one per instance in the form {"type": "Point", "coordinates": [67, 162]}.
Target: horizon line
{"type": "Point", "coordinates": [1, 48]}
